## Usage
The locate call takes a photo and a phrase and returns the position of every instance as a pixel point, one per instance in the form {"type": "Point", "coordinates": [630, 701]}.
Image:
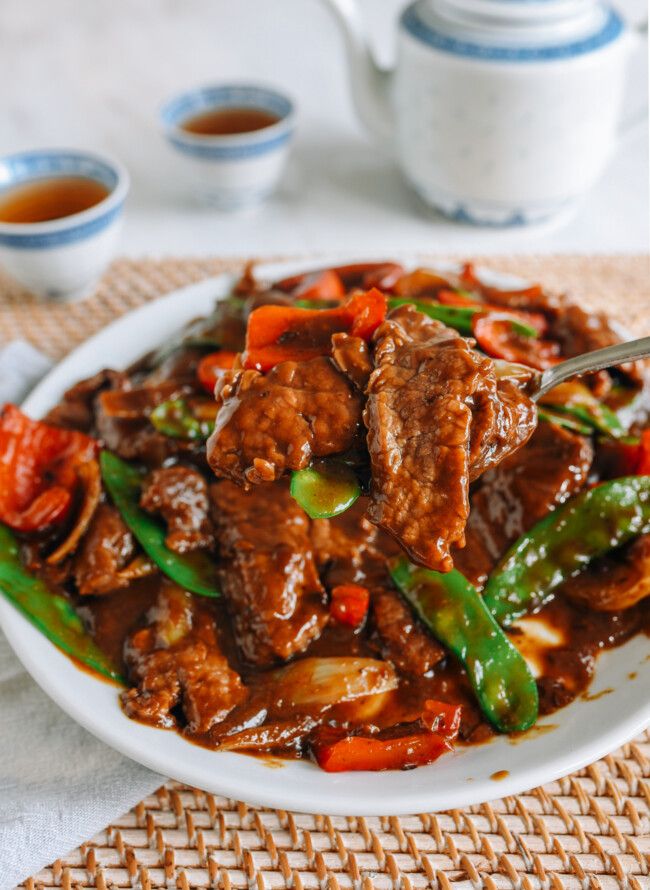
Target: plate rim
{"type": "Point", "coordinates": [342, 796]}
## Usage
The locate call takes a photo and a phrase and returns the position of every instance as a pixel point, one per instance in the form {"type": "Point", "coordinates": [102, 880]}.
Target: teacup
{"type": "Point", "coordinates": [63, 256]}
{"type": "Point", "coordinates": [230, 170]}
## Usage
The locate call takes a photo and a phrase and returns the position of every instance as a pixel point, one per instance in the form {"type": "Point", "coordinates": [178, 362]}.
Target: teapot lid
{"type": "Point", "coordinates": [513, 30]}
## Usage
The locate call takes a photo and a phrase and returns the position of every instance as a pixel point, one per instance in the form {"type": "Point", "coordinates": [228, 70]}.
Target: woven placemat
{"type": "Point", "coordinates": [620, 285]}
{"type": "Point", "coordinates": [589, 830]}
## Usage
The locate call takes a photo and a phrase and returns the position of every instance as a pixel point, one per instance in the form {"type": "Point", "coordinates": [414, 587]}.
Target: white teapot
{"type": "Point", "coordinates": [499, 112]}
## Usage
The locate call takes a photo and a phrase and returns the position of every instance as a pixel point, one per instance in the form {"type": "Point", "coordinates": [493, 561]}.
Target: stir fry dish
{"type": "Point", "coordinates": [317, 522]}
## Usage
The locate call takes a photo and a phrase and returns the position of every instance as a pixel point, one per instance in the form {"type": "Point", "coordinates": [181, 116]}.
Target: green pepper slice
{"type": "Point", "coordinates": [325, 489]}
{"type": "Point", "coordinates": [173, 418]}
{"type": "Point", "coordinates": [454, 612]}
{"type": "Point", "coordinates": [458, 317]}
{"type": "Point", "coordinates": [582, 406]}
{"type": "Point", "coordinates": [193, 571]}
{"type": "Point", "coordinates": [564, 542]}
{"type": "Point", "coordinates": [563, 420]}
{"type": "Point", "coordinates": [50, 612]}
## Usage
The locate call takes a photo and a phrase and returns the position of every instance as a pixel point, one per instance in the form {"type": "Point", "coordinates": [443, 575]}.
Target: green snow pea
{"type": "Point", "coordinates": [455, 613]}
{"type": "Point", "coordinates": [50, 612]}
{"type": "Point", "coordinates": [564, 542]}
{"type": "Point", "coordinates": [173, 418]}
{"type": "Point", "coordinates": [325, 489]}
{"type": "Point", "coordinates": [458, 317]}
{"type": "Point", "coordinates": [193, 571]}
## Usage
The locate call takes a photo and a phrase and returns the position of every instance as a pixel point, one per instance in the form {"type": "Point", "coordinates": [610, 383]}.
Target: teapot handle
{"type": "Point", "coordinates": [369, 83]}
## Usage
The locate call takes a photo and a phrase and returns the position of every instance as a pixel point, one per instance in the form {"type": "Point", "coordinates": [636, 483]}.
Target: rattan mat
{"type": "Point", "coordinates": [589, 830]}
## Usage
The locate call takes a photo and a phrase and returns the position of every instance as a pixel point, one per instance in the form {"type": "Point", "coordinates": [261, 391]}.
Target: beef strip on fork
{"type": "Point", "coordinates": [436, 418]}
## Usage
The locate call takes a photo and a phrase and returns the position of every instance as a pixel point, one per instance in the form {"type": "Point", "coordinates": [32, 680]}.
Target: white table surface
{"type": "Point", "coordinates": [93, 74]}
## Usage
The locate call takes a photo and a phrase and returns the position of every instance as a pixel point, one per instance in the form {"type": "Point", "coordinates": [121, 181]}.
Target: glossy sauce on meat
{"type": "Point", "coordinates": [214, 669]}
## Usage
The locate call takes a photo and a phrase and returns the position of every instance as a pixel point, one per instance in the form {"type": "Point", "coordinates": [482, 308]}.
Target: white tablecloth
{"type": "Point", "coordinates": [58, 784]}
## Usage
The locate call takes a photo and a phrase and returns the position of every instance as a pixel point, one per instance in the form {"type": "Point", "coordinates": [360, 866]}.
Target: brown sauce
{"type": "Point", "coordinates": [47, 199]}
{"type": "Point", "coordinates": [564, 657]}
{"type": "Point", "coordinates": [567, 673]}
{"type": "Point", "coordinates": [500, 775]}
{"type": "Point", "coordinates": [228, 121]}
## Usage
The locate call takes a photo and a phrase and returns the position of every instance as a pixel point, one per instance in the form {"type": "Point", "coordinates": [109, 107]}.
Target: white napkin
{"type": "Point", "coordinates": [58, 784]}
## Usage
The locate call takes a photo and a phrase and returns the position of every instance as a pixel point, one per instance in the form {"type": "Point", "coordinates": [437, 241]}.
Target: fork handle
{"type": "Point", "coordinates": [592, 361]}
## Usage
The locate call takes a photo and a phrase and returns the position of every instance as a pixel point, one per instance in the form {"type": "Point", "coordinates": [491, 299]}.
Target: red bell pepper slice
{"type": "Point", "coordinates": [631, 458]}
{"type": "Point", "coordinates": [211, 365]}
{"type": "Point", "coordinates": [643, 459]}
{"type": "Point", "coordinates": [470, 280]}
{"type": "Point", "coordinates": [453, 298]}
{"type": "Point", "coordinates": [286, 333]}
{"type": "Point", "coordinates": [325, 285]}
{"type": "Point", "coordinates": [421, 283]}
{"type": "Point", "coordinates": [497, 336]}
{"type": "Point", "coordinates": [349, 604]}
{"type": "Point", "coordinates": [365, 275]}
{"type": "Point", "coordinates": [441, 717]}
{"type": "Point", "coordinates": [337, 753]}
{"type": "Point", "coordinates": [359, 753]}
{"type": "Point", "coordinates": [38, 473]}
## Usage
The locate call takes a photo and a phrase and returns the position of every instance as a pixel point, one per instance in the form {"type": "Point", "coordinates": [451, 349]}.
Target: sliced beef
{"type": "Point", "coordinates": [614, 582]}
{"type": "Point", "coordinates": [105, 550]}
{"type": "Point", "coordinates": [502, 421]}
{"type": "Point", "coordinates": [403, 639]}
{"type": "Point", "coordinates": [75, 410]}
{"type": "Point", "coordinates": [349, 548]}
{"type": "Point", "coordinates": [176, 660]}
{"type": "Point", "coordinates": [343, 540]}
{"type": "Point", "coordinates": [512, 497]}
{"type": "Point", "coordinates": [269, 576]}
{"type": "Point", "coordinates": [122, 419]}
{"type": "Point", "coordinates": [180, 367]}
{"type": "Point", "coordinates": [270, 423]}
{"type": "Point", "coordinates": [436, 417]}
{"type": "Point", "coordinates": [351, 356]}
{"type": "Point", "coordinates": [180, 495]}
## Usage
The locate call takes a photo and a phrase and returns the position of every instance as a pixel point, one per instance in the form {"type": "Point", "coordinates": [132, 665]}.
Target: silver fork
{"type": "Point", "coordinates": [589, 361]}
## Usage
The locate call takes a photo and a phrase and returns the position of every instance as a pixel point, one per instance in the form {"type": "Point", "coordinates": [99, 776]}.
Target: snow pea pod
{"type": "Point", "coordinates": [564, 542]}
{"type": "Point", "coordinates": [454, 612]}
{"type": "Point", "coordinates": [566, 422]}
{"type": "Point", "coordinates": [600, 418]}
{"type": "Point", "coordinates": [458, 317]}
{"type": "Point", "coordinates": [174, 418]}
{"type": "Point", "coordinates": [325, 489]}
{"type": "Point", "coordinates": [193, 571]}
{"type": "Point", "coordinates": [50, 612]}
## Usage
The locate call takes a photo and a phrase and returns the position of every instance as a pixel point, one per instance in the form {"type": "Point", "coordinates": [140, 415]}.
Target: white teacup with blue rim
{"type": "Point", "coordinates": [231, 142]}
{"type": "Point", "coordinates": [60, 215]}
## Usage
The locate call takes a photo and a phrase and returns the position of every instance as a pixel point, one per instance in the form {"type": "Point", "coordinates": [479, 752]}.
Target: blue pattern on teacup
{"type": "Point", "coordinates": [27, 165]}
{"type": "Point", "coordinates": [227, 96]}
{"type": "Point", "coordinates": [31, 241]}
{"type": "Point", "coordinates": [230, 152]}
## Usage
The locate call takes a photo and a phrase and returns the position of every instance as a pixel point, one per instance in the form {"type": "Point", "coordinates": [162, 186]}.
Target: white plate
{"type": "Point", "coordinates": [568, 740]}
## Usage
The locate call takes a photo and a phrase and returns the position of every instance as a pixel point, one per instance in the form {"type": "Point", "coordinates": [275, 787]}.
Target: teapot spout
{"type": "Point", "coordinates": [368, 82]}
